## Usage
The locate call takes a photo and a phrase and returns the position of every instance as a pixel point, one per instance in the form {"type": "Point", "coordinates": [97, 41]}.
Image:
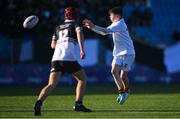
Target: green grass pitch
{"type": "Point", "coordinates": [145, 101]}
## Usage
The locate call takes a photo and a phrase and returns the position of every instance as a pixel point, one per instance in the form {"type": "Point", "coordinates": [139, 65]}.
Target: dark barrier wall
{"type": "Point", "coordinates": [150, 56]}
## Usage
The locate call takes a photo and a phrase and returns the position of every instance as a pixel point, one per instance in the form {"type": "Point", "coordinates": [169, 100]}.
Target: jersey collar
{"type": "Point", "coordinates": [119, 20]}
{"type": "Point", "coordinates": [69, 20]}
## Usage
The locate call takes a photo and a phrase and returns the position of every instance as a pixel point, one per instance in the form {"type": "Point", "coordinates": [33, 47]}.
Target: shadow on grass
{"type": "Point", "coordinates": [33, 90]}
{"type": "Point", "coordinates": [96, 110]}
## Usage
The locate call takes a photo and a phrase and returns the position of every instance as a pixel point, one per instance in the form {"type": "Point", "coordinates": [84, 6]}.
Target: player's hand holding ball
{"type": "Point", "coordinates": [30, 22]}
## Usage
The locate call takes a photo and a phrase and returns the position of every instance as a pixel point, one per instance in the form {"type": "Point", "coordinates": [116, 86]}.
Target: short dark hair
{"type": "Point", "coordinates": [116, 10]}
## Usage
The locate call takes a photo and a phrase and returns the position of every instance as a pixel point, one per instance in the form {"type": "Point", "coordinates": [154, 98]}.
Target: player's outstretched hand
{"type": "Point", "coordinates": [87, 23]}
{"type": "Point", "coordinates": [82, 54]}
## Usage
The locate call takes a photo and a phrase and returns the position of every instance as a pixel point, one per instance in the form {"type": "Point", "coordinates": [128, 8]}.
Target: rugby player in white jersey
{"type": "Point", "coordinates": [123, 52]}
{"type": "Point", "coordinates": [64, 60]}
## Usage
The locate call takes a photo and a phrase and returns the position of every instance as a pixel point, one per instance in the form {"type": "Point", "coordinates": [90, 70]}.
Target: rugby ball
{"type": "Point", "coordinates": [30, 21]}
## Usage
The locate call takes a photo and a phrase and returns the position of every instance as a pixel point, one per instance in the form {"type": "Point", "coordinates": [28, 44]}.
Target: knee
{"type": "Point", "coordinates": [82, 79]}
{"type": "Point", "coordinates": [84, 76]}
{"type": "Point", "coordinates": [124, 77]}
{"type": "Point", "coordinates": [114, 71]}
{"type": "Point", "coordinates": [80, 76]}
{"type": "Point", "coordinates": [51, 86]}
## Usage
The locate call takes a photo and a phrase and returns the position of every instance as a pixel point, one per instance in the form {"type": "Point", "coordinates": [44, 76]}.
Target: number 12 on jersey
{"type": "Point", "coordinates": [63, 34]}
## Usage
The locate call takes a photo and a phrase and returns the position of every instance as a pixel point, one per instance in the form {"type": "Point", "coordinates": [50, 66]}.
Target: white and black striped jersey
{"type": "Point", "coordinates": [65, 37]}
{"type": "Point", "coordinates": [66, 31]}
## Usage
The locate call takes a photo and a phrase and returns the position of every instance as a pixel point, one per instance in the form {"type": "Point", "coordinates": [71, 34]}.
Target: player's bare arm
{"type": "Point", "coordinates": [80, 38]}
{"type": "Point", "coordinates": [100, 30]}
{"type": "Point", "coordinates": [53, 44]}
{"type": "Point", "coordinates": [87, 23]}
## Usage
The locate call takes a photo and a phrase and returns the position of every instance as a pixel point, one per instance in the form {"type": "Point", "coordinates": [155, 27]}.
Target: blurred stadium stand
{"type": "Point", "coordinates": [154, 25]}
{"type": "Point", "coordinates": [165, 16]}
{"type": "Point", "coordinates": [38, 74]}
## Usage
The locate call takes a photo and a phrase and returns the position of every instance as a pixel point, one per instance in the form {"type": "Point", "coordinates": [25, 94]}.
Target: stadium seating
{"type": "Point", "coordinates": [165, 20]}
{"type": "Point", "coordinates": [166, 15]}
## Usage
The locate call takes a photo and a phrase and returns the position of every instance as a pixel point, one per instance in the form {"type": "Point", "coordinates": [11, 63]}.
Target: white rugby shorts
{"type": "Point", "coordinates": [124, 61]}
